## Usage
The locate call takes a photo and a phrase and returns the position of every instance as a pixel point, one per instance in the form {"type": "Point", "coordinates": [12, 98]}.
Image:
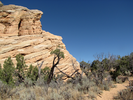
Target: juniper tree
{"type": "Point", "coordinates": [32, 73]}
{"type": "Point", "coordinates": [45, 72]}
{"type": "Point", "coordinates": [29, 72]}
{"type": "Point", "coordinates": [8, 71]}
{"type": "Point", "coordinates": [20, 68]}
{"type": "Point", "coordinates": [101, 66]}
{"type": "Point", "coordinates": [85, 67]}
{"type": "Point", "coordinates": [57, 55]}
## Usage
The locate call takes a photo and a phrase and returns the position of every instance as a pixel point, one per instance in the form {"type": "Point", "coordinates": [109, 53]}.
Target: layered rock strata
{"type": "Point", "coordinates": [20, 32]}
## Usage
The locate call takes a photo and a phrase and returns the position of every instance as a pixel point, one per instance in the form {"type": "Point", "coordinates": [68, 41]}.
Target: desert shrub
{"type": "Point", "coordinates": [85, 86]}
{"type": "Point", "coordinates": [115, 74]}
{"type": "Point", "coordinates": [58, 92]}
{"type": "Point", "coordinates": [28, 94]}
{"type": "Point", "coordinates": [118, 80]}
{"type": "Point", "coordinates": [131, 83]}
{"type": "Point", "coordinates": [29, 72]}
{"type": "Point", "coordinates": [32, 73]}
{"type": "Point", "coordinates": [8, 72]}
{"type": "Point", "coordinates": [106, 87]}
{"type": "Point", "coordinates": [6, 91]}
{"type": "Point", "coordinates": [28, 82]}
{"type": "Point", "coordinates": [100, 69]}
{"type": "Point", "coordinates": [55, 96]}
{"type": "Point", "coordinates": [40, 81]}
{"type": "Point", "coordinates": [92, 95]}
{"type": "Point", "coordinates": [123, 66]}
{"type": "Point", "coordinates": [126, 94]}
{"type": "Point", "coordinates": [66, 93]}
{"type": "Point", "coordinates": [45, 71]}
{"type": "Point", "coordinates": [21, 68]}
{"type": "Point", "coordinates": [106, 83]}
{"type": "Point", "coordinates": [121, 79]}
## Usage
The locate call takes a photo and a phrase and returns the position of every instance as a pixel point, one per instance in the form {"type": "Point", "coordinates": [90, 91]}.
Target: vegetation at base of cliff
{"type": "Point", "coordinates": [7, 72]}
{"type": "Point", "coordinates": [20, 81]}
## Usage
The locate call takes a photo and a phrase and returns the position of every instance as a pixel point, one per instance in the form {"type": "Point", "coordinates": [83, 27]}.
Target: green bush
{"type": "Point", "coordinates": [29, 72]}
{"type": "Point", "coordinates": [45, 72]}
{"type": "Point", "coordinates": [20, 68]}
{"type": "Point", "coordinates": [8, 72]}
{"type": "Point", "coordinates": [32, 73]}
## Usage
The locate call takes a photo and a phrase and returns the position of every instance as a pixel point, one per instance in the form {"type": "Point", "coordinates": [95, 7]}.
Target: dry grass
{"type": "Point", "coordinates": [60, 91]}
{"type": "Point", "coordinates": [126, 94]}
{"type": "Point", "coordinates": [41, 93]}
{"type": "Point", "coordinates": [84, 89]}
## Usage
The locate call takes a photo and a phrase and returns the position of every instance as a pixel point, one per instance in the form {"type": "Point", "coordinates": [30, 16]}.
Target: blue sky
{"type": "Point", "coordinates": [88, 27]}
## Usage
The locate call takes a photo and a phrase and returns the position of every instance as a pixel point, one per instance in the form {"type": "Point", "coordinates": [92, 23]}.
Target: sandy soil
{"type": "Point", "coordinates": [108, 95]}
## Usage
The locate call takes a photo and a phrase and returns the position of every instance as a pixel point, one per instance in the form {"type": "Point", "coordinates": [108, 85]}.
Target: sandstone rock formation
{"type": "Point", "coordinates": [17, 20]}
{"type": "Point", "coordinates": [20, 32]}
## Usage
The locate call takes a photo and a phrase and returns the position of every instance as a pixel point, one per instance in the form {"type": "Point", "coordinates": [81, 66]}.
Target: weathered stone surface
{"type": "Point", "coordinates": [37, 48]}
{"type": "Point", "coordinates": [20, 32]}
{"type": "Point", "coordinates": [18, 20]}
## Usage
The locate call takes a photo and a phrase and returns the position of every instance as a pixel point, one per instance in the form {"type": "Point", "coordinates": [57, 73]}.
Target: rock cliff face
{"type": "Point", "coordinates": [19, 20]}
{"type": "Point", "coordinates": [20, 32]}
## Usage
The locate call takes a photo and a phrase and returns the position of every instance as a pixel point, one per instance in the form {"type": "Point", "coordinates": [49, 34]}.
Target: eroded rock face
{"type": "Point", "coordinates": [20, 32]}
{"type": "Point", "coordinates": [18, 20]}
{"type": "Point", "coordinates": [37, 48]}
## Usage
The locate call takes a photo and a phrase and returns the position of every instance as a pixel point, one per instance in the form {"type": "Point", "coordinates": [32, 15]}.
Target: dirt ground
{"type": "Point", "coordinates": [108, 95]}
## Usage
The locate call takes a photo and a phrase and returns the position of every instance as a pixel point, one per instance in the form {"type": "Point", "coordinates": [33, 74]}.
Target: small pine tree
{"type": "Point", "coordinates": [20, 68]}
{"type": "Point", "coordinates": [32, 73]}
{"type": "Point", "coordinates": [35, 74]}
{"type": "Point", "coordinates": [45, 72]}
{"type": "Point", "coordinates": [8, 71]}
{"type": "Point", "coordinates": [29, 72]}
{"type": "Point", "coordinates": [57, 54]}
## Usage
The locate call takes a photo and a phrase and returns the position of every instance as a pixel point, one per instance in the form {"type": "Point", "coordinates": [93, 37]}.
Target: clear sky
{"type": "Point", "coordinates": [88, 27]}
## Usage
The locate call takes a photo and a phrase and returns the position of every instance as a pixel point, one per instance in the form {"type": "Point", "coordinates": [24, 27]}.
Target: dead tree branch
{"type": "Point", "coordinates": [52, 69]}
{"type": "Point", "coordinates": [68, 76]}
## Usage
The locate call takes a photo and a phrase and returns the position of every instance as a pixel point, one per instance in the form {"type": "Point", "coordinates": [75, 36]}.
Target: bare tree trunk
{"type": "Point", "coordinates": [39, 69]}
{"type": "Point", "coordinates": [52, 70]}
